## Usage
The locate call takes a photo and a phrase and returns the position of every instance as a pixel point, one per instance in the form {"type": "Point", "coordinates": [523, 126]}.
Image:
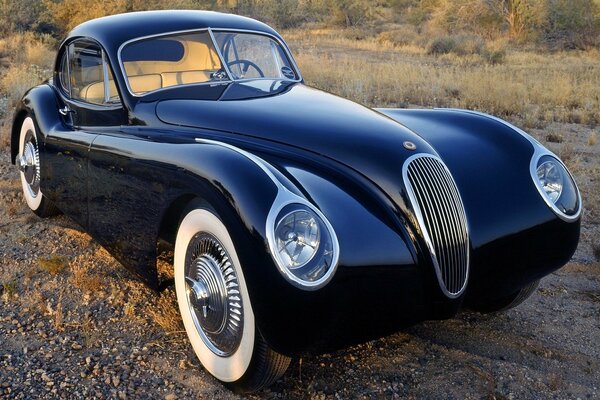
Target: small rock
{"type": "Point", "coordinates": [170, 396]}
{"type": "Point", "coordinates": [76, 346]}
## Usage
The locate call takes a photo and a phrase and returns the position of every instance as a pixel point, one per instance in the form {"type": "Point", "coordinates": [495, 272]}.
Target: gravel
{"type": "Point", "coordinates": [91, 329]}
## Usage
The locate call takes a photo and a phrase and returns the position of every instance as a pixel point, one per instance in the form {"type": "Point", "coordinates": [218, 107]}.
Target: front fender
{"type": "Point", "coordinates": [42, 104]}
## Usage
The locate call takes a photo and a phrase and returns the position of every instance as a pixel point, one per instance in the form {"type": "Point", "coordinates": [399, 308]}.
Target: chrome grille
{"type": "Point", "coordinates": [442, 220]}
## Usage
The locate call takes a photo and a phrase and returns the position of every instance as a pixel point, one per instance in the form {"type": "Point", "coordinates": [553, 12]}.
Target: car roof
{"type": "Point", "coordinates": [114, 30]}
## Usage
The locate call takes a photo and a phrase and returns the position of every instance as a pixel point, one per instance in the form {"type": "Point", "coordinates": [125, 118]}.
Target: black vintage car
{"type": "Point", "coordinates": [301, 222]}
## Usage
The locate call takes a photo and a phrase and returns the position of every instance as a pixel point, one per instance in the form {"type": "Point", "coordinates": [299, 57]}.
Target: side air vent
{"type": "Point", "coordinates": [442, 220]}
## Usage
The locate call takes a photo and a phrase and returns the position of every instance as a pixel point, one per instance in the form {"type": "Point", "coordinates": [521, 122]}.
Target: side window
{"type": "Point", "coordinates": [90, 77]}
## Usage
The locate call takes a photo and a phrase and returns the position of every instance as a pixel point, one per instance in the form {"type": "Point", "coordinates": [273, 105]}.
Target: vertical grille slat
{"type": "Point", "coordinates": [442, 220]}
{"type": "Point", "coordinates": [451, 223]}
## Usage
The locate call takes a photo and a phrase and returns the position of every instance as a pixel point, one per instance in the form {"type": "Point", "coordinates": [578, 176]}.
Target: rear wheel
{"type": "Point", "coordinates": [215, 306]}
{"type": "Point", "coordinates": [28, 162]}
{"type": "Point", "coordinates": [506, 302]}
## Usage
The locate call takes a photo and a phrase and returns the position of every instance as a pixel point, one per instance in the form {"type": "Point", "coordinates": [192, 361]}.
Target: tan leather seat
{"type": "Point", "coordinates": [184, 77]}
{"type": "Point", "coordinates": [145, 83]}
{"type": "Point", "coordinates": [94, 92]}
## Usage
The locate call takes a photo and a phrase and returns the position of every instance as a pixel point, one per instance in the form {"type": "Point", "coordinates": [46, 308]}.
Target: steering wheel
{"type": "Point", "coordinates": [245, 66]}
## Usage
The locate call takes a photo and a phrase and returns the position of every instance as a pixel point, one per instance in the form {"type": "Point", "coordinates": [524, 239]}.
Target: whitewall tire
{"type": "Point", "coordinates": [28, 162]}
{"type": "Point", "coordinates": [215, 306]}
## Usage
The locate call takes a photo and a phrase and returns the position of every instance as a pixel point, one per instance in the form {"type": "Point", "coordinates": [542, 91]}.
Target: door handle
{"type": "Point", "coordinates": [65, 110]}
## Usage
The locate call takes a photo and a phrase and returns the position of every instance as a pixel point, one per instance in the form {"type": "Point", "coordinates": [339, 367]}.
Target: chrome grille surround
{"type": "Point", "coordinates": [441, 218]}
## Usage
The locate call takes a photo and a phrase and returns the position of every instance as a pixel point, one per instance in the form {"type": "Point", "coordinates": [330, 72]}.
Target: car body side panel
{"type": "Point", "coordinates": [133, 180]}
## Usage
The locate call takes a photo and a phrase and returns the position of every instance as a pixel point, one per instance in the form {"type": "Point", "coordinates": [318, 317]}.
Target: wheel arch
{"type": "Point", "coordinates": [173, 215]}
{"type": "Point", "coordinates": [18, 119]}
{"type": "Point", "coordinates": [41, 103]}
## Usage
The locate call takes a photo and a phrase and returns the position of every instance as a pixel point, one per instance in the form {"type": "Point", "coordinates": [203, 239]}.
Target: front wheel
{"type": "Point", "coordinates": [216, 309]}
{"type": "Point", "coordinates": [506, 302]}
{"type": "Point", "coordinates": [28, 162]}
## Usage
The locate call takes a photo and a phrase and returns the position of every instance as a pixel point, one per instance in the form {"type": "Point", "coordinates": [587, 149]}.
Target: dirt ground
{"type": "Point", "coordinates": [75, 324]}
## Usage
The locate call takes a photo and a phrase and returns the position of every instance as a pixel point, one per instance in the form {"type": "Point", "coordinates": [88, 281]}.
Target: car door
{"type": "Point", "coordinates": [90, 106]}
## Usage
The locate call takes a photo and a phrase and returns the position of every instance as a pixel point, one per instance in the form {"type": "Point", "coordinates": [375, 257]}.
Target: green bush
{"type": "Point", "coordinates": [461, 44]}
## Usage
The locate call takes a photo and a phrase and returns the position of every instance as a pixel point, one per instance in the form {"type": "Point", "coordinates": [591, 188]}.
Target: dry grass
{"type": "Point", "coordinates": [377, 74]}
{"type": "Point", "coordinates": [9, 289]}
{"type": "Point", "coordinates": [592, 139]}
{"type": "Point", "coordinates": [28, 48]}
{"type": "Point", "coordinates": [166, 313]}
{"type": "Point", "coordinates": [26, 60]}
{"type": "Point", "coordinates": [53, 264]}
{"type": "Point", "coordinates": [84, 279]}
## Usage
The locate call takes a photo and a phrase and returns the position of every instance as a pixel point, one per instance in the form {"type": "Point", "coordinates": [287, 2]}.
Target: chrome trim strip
{"type": "Point", "coordinates": [210, 30]}
{"type": "Point", "coordinates": [105, 77]}
{"type": "Point", "coordinates": [538, 152]}
{"type": "Point", "coordinates": [283, 198]}
{"type": "Point", "coordinates": [448, 228]}
{"type": "Point", "coordinates": [220, 55]}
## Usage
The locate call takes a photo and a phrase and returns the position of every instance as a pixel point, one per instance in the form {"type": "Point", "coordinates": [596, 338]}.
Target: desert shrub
{"type": "Point", "coordinates": [17, 79]}
{"type": "Point", "coordinates": [571, 24]}
{"type": "Point", "coordinates": [282, 14]}
{"type": "Point", "coordinates": [28, 48]}
{"type": "Point", "coordinates": [494, 52]}
{"type": "Point", "coordinates": [415, 12]}
{"type": "Point", "coordinates": [351, 13]}
{"type": "Point", "coordinates": [67, 14]}
{"type": "Point", "coordinates": [461, 44]}
{"type": "Point", "coordinates": [402, 36]}
{"type": "Point", "coordinates": [21, 15]}
{"type": "Point", "coordinates": [476, 16]}
{"type": "Point", "coordinates": [554, 138]}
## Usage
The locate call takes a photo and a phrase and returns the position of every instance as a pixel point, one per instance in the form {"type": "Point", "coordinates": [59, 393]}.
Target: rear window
{"type": "Point", "coordinates": [156, 63]}
{"type": "Point", "coordinates": [154, 50]}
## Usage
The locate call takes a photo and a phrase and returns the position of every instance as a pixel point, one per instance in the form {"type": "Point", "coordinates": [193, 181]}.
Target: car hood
{"type": "Point", "coordinates": [310, 119]}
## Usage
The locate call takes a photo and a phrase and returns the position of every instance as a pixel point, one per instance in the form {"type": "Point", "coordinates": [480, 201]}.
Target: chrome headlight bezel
{"type": "Point", "coordinates": [284, 200]}
{"type": "Point", "coordinates": [569, 186]}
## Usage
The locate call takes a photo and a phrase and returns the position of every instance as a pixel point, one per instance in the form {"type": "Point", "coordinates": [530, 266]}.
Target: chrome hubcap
{"type": "Point", "coordinates": [213, 294]}
{"type": "Point", "coordinates": [29, 164]}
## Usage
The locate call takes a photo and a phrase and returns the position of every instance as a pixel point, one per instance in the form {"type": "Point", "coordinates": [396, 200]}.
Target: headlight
{"type": "Point", "coordinates": [551, 177]}
{"type": "Point", "coordinates": [304, 246]}
{"type": "Point", "coordinates": [557, 187]}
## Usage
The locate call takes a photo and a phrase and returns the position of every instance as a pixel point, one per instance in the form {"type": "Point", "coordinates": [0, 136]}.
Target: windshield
{"type": "Point", "coordinates": [249, 55]}
{"type": "Point", "coordinates": [156, 63]}
{"type": "Point", "coordinates": [191, 58]}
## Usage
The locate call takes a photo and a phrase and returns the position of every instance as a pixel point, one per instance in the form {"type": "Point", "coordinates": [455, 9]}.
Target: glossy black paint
{"type": "Point", "coordinates": [127, 175]}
